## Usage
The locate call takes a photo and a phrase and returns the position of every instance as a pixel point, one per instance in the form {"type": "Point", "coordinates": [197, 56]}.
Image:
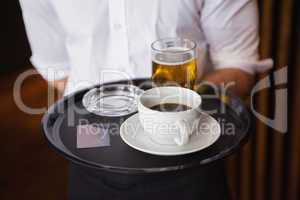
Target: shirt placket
{"type": "Point", "coordinates": [119, 32]}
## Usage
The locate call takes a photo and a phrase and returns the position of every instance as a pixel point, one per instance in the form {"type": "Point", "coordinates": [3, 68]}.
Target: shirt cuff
{"type": "Point", "coordinates": [249, 66]}
{"type": "Point", "coordinates": [51, 72]}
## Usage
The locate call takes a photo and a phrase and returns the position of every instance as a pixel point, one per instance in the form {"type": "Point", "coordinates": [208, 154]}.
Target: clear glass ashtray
{"type": "Point", "coordinates": [112, 100]}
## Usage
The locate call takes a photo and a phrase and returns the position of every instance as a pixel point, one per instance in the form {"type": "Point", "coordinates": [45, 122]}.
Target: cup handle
{"type": "Point", "coordinates": [183, 137]}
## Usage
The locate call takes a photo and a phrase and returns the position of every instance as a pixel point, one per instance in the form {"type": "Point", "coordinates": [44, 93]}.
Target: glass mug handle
{"type": "Point", "coordinates": [183, 137]}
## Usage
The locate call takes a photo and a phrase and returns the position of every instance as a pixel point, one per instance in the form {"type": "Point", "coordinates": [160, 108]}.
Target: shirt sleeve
{"type": "Point", "coordinates": [231, 31]}
{"type": "Point", "coordinates": [46, 38]}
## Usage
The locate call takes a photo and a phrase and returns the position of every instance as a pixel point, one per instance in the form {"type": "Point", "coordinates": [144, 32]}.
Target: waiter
{"type": "Point", "coordinates": [76, 44]}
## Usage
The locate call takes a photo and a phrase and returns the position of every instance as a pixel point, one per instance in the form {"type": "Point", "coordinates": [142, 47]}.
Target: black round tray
{"type": "Point", "coordinates": [60, 122]}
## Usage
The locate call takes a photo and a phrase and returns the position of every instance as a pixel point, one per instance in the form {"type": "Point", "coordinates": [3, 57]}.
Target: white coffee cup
{"type": "Point", "coordinates": [169, 128]}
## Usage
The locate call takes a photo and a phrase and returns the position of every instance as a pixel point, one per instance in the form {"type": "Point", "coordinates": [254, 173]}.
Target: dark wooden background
{"type": "Point", "coordinates": [267, 167]}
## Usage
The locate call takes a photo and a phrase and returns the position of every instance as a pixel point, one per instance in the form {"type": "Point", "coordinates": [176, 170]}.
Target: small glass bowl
{"type": "Point", "coordinates": [112, 100]}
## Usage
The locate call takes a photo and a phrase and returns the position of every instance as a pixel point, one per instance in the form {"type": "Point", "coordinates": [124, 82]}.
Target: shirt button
{"type": "Point", "coordinates": [117, 26]}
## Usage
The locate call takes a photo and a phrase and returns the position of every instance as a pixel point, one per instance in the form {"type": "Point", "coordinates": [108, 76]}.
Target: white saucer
{"type": "Point", "coordinates": [133, 134]}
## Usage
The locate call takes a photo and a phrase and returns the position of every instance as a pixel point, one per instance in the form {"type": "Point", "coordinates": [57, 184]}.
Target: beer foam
{"type": "Point", "coordinates": [172, 63]}
{"type": "Point", "coordinates": [173, 56]}
{"type": "Point", "coordinates": [176, 49]}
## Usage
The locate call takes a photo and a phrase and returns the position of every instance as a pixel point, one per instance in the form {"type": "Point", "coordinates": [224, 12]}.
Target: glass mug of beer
{"type": "Point", "coordinates": [174, 62]}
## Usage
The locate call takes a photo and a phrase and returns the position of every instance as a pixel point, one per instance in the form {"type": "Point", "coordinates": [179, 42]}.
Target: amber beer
{"type": "Point", "coordinates": [174, 62]}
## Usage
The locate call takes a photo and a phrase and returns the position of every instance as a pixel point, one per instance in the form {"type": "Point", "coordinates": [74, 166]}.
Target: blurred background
{"type": "Point", "coordinates": [267, 167]}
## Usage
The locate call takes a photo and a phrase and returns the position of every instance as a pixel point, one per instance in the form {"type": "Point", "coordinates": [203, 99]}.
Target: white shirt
{"type": "Point", "coordinates": [96, 41]}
